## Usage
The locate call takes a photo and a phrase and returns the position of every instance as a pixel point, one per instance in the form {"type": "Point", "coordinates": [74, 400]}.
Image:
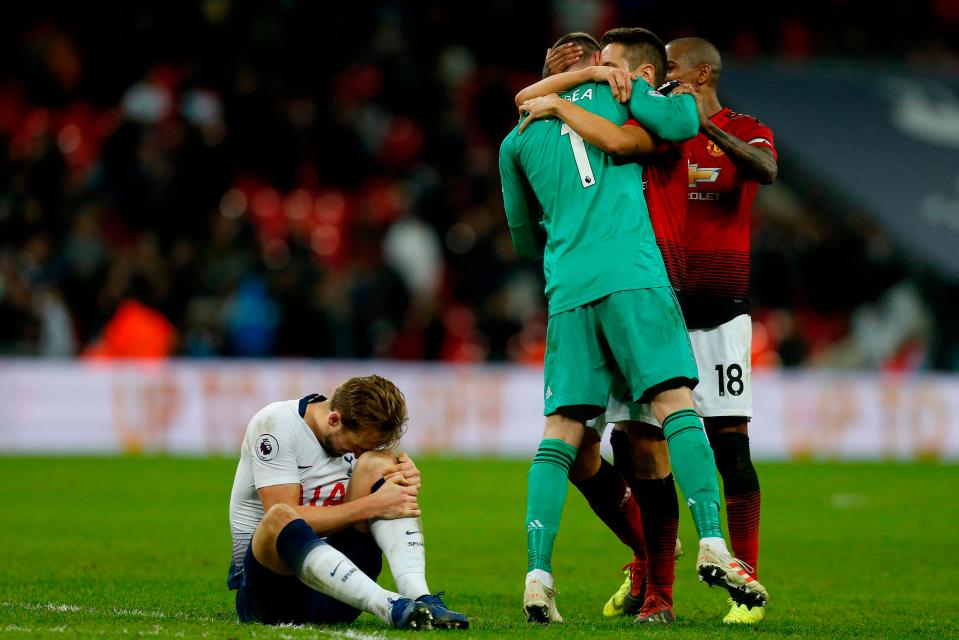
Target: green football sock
{"type": "Point", "coordinates": [544, 499]}
{"type": "Point", "coordinates": [694, 469]}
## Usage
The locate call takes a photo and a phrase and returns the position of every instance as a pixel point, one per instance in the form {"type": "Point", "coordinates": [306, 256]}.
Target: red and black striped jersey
{"type": "Point", "coordinates": [664, 185]}
{"type": "Point", "coordinates": [717, 224]}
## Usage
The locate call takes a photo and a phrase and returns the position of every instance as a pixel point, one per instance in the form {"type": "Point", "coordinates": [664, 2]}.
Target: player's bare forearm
{"type": "Point", "coordinates": [755, 162]}
{"type": "Point", "coordinates": [332, 518]}
{"type": "Point", "coordinates": [395, 498]}
{"type": "Point", "coordinates": [604, 134]}
{"type": "Point", "coordinates": [554, 84]}
{"type": "Point", "coordinates": [323, 520]}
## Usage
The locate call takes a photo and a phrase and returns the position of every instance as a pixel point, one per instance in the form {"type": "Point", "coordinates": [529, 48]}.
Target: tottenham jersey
{"type": "Point", "coordinates": [280, 448]}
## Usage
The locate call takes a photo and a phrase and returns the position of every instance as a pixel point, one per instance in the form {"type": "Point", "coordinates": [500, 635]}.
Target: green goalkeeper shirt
{"type": "Point", "coordinates": [598, 238]}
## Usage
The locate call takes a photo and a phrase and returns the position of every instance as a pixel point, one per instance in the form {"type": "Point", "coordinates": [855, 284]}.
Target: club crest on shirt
{"type": "Point", "coordinates": [714, 150]}
{"type": "Point", "coordinates": [267, 447]}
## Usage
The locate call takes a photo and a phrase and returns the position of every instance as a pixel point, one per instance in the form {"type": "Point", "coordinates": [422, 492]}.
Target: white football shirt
{"type": "Point", "coordinates": [280, 448]}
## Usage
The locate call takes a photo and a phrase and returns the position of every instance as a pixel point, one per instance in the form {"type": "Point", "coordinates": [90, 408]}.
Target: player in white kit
{"type": "Point", "coordinates": [318, 498]}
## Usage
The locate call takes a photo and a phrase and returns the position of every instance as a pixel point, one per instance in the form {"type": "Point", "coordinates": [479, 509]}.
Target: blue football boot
{"type": "Point", "coordinates": [410, 614]}
{"type": "Point", "coordinates": [443, 618]}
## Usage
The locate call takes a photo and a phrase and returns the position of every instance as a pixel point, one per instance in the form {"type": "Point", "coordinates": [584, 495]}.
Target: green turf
{"type": "Point", "coordinates": [120, 547]}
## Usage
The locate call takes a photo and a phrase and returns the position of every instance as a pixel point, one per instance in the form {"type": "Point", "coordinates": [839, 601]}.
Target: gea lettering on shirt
{"type": "Point", "coordinates": [575, 97]}
{"type": "Point", "coordinates": [703, 196]}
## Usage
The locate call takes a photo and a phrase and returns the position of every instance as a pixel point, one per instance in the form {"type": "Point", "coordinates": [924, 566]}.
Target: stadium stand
{"type": "Point", "coordinates": [283, 180]}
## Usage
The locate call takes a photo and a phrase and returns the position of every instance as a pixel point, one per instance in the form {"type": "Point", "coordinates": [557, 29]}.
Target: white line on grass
{"type": "Point", "coordinates": [345, 634]}
{"type": "Point", "coordinates": [119, 613]}
{"type": "Point", "coordinates": [353, 634]}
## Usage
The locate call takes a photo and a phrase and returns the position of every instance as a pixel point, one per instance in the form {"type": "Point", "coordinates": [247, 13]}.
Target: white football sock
{"type": "Point", "coordinates": [716, 544]}
{"type": "Point", "coordinates": [402, 543]}
{"type": "Point", "coordinates": [327, 570]}
{"type": "Point", "coordinates": [543, 576]}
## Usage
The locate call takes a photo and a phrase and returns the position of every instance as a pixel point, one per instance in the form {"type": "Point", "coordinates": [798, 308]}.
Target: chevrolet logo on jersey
{"type": "Point", "coordinates": [705, 174]}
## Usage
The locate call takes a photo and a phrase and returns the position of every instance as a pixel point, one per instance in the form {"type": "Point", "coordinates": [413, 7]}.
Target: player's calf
{"type": "Point", "coordinates": [266, 534]}
{"type": "Point", "coordinates": [402, 540]}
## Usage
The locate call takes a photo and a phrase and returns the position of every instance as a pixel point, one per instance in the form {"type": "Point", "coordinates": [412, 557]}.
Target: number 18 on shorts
{"type": "Point", "coordinates": [723, 356]}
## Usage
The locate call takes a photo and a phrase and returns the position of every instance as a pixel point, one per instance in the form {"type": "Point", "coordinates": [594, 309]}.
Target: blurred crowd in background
{"type": "Point", "coordinates": [223, 178]}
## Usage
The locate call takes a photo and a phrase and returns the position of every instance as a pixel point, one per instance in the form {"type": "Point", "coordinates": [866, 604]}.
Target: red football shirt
{"type": "Point", "coordinates": [717, 224]}
{"type": "Point", "coordinates": [664, 185]}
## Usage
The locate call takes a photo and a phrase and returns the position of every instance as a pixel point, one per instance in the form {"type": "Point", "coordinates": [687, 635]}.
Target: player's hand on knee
{"type": "Point", "coordinates": [396, 499]}
{"type": "Point", "coordinates": [406, 468]}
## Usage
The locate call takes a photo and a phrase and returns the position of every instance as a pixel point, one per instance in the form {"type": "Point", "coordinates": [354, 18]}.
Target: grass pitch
{"type": "Point", "coordinates": [129, 547]}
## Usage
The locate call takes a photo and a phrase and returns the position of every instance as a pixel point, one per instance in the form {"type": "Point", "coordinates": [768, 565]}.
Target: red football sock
{"type": "Point", "coordinates": [742, 517]}
{"type": "Point", "coordinates": [612, 500]}
{"type": "Point", "coordinates": [741, 490]}
{"type": "Point", "coordinates": [660, 510]}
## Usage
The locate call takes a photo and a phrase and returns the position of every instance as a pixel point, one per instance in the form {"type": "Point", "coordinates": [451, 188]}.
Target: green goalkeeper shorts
{"type": "Point", "coordinates": [639, 333]}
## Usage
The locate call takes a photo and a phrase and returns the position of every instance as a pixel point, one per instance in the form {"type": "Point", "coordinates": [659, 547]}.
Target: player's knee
{"type": "Point", "coordinates": [725, 424]}
{"type": "Point", "coordinates": [586, 465]}
{"type": "Point", "coordinates": [650, 454]}
{"type": "Point", "coordinates": [373, 463]}
{"type": "Point", "coordinates": [669, 401]}
{"type": "Point", "coordinates": [650, 466]}
{"type": "Point", "coordinates": [734, 462]}
{"type": "Point", "coordinates": [278, 517]}
{"type": "Point", "coordinates": [561, 426]}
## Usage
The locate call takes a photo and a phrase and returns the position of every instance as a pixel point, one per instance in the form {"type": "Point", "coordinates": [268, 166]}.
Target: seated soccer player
{"type": "Point", "coordinates": [318, 498]}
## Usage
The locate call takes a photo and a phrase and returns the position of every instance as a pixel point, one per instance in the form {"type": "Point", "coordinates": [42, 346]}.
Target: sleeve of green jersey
{"type": "Point", "coordinates": [519, 202]}
{"type": "Point", "coordinates": [672, 117]}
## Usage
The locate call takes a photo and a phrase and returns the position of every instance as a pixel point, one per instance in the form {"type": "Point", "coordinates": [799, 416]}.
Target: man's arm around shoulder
{"type": "Point", "coordinates": [674, 117]}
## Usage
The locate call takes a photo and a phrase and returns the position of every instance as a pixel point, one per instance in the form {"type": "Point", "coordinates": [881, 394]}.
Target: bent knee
{"type": "Point", "coordinates": [279, 516]}
{"type": "Point", "coordinates": [726, 424]}
{"type": "Point", "coordinates": [586, 465]}
{"type": "Point", "coordinates": [374, 462]}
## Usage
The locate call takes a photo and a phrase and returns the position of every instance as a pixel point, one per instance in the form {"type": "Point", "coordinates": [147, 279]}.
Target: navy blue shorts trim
{"type": "Point", "coordinates": [269, 598]}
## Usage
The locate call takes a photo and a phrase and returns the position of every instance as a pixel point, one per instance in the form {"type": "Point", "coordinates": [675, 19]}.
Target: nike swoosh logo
{"type": "Point", "coordinates": [333, 573]}
{"type": "Point", "coordinates": [299, 467]}
{"type": "Point", "coordinates": [409, 533]}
